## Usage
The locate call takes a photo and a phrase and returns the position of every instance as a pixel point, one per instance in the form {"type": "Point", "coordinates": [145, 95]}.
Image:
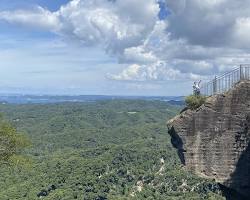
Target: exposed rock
{"type": "Point", "coordinates": [213, 141]}
{"type": "Point", "coordinates": [43, 193]}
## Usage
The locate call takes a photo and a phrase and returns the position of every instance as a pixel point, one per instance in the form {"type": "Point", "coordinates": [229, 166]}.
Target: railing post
{"type": "Point", "coordinates": [215, 85]}
{"type": "Point", "coordinates": [241, 73]}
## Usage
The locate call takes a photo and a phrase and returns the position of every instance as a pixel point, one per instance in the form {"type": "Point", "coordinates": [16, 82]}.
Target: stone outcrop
{"type": "Point", "coordinates": [214, 140]}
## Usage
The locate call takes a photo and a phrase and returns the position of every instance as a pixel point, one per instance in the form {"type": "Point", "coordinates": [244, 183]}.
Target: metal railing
{"type": "Point", "coordinates": [225, 82]}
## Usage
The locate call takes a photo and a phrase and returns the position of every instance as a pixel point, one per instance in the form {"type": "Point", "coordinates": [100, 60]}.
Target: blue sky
{"type": "Point", "coordinates": [116, 47]}
{"type": "Point", "coordinates": [16, 4]}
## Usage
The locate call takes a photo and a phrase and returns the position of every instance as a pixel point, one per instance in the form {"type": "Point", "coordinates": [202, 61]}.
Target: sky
{"type": "Point", "coordinates": [119, 47]}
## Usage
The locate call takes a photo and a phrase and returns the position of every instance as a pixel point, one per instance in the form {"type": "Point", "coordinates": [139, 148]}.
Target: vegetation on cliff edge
{"type": "Point", "coordinates": [195, 101]}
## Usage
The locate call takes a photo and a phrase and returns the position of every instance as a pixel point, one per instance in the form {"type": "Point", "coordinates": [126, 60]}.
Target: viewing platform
{"type": "Point", "coordinates": [226, 81]}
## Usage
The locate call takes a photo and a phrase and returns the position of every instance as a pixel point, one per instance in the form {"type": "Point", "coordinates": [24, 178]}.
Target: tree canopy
{"type": "Point", "coordinates": [11, 142]}
{"type": "Point", "coordinates": [114, 150]}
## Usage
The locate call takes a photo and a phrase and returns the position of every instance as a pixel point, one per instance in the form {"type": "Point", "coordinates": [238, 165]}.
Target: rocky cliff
{"type": "Point", "coordinates": [214, 140]}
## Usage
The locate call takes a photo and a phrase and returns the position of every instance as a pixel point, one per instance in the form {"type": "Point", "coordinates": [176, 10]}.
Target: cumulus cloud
{"type": "Point", "coordinates": [116, 25]}
{"type": "Point", "coordinates": [197, 38]}
{"type": "Point", "coordinates": [137, 55]}
{"type": "Point", "coordinates": [39, 18]}
{"type": "Point", "coordinates": [201, 38]}
{"type": "Point", "coordinates": [158, 71]}
{"type": "Point", "coordinates": [208, 22]}
{"type": "Point", "coordinates": [241, 34]}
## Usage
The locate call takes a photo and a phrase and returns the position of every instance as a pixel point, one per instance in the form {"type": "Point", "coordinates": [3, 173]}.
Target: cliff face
{"type": "Point", "coordinates": [214, 140]}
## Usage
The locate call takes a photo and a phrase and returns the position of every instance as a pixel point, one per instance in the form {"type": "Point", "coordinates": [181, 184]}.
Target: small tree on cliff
{"type": "Point", "coordinates": [195, 101]}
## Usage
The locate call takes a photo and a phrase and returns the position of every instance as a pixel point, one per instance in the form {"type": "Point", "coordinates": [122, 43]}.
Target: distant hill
{"type": "Point", "coordinates": [44, 99]}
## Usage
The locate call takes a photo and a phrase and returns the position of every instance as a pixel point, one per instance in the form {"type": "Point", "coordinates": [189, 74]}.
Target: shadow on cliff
{"type": "Point", "coordinates": [178, 144]}
{"type": "Point", "coordinates": [240, 179]}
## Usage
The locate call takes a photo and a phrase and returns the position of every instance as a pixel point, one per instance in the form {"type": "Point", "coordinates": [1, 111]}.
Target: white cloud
{"type": "Point", "coordinates": [158, 71]}
{"type": "Point", "coordinates": [39, 18]}
{"type": "Point", "coordinates": [207, 22]}
{"type": "Point", "coordinates": [114, 25]}
{"type": "Point", "coordinates": [130, 73]}
{"type": "Point", "coordinates": [241, 34]}
{"type": "Point", "coordinates": [138, 55]}
{"type": "Point", "coordinates": [198, 38]}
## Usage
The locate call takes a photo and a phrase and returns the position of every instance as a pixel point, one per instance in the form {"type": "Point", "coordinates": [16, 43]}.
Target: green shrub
{"type": "Point", "coordinates": [11, 143]}
{"type": "Point", "coordinates": [195, 101]}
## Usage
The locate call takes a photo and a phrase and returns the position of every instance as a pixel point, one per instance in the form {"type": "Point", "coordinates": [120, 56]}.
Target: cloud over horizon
{"type": "Point", "coordinates": [195, 39]}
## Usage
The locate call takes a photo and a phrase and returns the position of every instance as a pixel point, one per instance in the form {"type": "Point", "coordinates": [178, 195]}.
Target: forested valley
{"type": "Point", "coordinates": [114, 150]}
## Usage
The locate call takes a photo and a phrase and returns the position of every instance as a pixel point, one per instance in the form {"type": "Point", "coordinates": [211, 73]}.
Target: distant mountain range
{"type": "Point", "coordinates": [44, 99]}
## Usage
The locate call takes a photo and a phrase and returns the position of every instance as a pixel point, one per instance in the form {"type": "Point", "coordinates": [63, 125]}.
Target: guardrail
{"type": "Point", "coordinates": [225, 82]}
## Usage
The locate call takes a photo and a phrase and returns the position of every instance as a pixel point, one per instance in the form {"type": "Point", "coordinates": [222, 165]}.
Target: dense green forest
{"type": "Point", "coordinates": [115, 150]}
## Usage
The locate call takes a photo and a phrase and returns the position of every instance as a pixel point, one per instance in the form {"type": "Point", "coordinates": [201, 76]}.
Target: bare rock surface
{"type": "Point", "coordinates": [214, 140]}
